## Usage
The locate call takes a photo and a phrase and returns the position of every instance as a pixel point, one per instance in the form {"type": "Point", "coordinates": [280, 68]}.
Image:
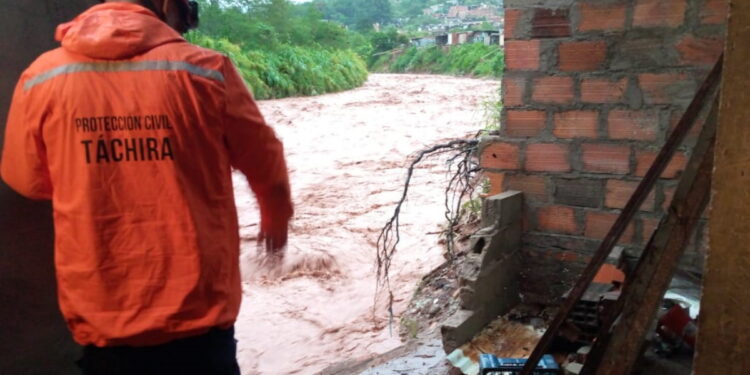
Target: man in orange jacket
{"type": "Point", "coordinates": [132, 133]}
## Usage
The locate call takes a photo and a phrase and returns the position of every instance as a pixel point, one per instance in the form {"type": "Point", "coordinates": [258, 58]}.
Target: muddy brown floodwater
{"type": "Point", "coordinates": [347, 154]}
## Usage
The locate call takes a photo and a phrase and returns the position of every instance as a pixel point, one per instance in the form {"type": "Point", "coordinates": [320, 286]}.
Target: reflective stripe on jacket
{"type": "Point", "coordinates": [132, 133]}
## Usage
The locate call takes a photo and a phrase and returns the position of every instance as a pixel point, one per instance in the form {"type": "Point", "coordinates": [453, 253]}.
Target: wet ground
{"type": "Point", "coordinates": [347, 154]}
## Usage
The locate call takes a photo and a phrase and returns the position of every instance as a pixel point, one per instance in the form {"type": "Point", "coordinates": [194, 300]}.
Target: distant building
{"type": "Point", "coordinates": [484, 11]}
{"type": "Point", "coordinates": [442, 40]}
{"type": "Point", "coordinates": [457, 24]}
{"type": "Point", "coordinates": [487, 37]}
{"type": "Point", "coordinates": [424, 41]}
{"type": "Point", "coordinates": [489, 12]}
{"type": "Point", "coordinates": [458, 11]}
{"type": "Point", "coordinates": [459, 38]}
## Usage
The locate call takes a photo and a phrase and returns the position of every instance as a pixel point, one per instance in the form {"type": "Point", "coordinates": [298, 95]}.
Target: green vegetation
{"type": "Point", "coordinates": [270, 24]}
{"type": "Point", "coordinates": [282, 49]}
{"type": "Point", "coordinates": [383, 44]}
{"type": "Point", "coordinates": [492, 110]}
{"type": "Point", "coordinates": [291, 70]}
{"type": "Point", "coordinates": [473, 59]}
{"type": "Point", "coordinates": [358, 14]}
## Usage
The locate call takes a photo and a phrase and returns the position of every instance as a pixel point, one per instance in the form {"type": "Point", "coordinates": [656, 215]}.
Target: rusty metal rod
{"type": "Point", "coordinates": [619, 346]}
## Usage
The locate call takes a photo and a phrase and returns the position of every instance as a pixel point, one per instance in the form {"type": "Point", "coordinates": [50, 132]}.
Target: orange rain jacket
{"type": "Point", "coordinates": [132, 132]}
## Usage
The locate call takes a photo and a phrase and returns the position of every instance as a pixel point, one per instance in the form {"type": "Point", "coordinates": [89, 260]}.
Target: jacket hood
{"type": "Point", "coordinates": [114, 31]}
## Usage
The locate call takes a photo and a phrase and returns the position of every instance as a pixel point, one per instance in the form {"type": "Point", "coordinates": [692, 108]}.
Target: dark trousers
{"type": "Point", "coordinates": [213, 353]}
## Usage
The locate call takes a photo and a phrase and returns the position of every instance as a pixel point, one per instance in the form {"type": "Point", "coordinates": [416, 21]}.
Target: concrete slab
{"type": "Point", "coordinates": [489, 275]}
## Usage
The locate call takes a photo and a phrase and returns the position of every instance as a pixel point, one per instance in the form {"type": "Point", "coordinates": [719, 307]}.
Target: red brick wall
{"type": "Point", "coordinates": [591, 90]}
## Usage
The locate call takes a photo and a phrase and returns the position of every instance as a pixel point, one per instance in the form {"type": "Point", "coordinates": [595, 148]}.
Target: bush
{"type": "Point", "coordinates": [474, 59]}
{"type": "Point", "coordinates": [291, 70]}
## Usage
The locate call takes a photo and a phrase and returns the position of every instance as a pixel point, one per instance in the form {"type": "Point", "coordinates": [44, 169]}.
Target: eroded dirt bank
{"type": "Point", "coordinates": [347, 153]}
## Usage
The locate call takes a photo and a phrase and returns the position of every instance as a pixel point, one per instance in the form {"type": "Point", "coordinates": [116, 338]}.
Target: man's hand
{"type": "Point", "coordinates": [276, 210]}
{"type": "Point", "coordinates": [273, 237]}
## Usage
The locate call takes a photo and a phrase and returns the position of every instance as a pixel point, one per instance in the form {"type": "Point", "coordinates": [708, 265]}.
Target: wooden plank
{"type": "Point", "coordinates": [645, 289]}
{"type": "Point", "coordinates": [724, 336]}
{"type": "Point", "coordinates": [600, 256]}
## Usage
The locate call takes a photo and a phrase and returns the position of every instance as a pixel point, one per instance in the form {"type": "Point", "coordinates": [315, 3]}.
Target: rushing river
{"type": "Point", "coordinates": [347, 154]}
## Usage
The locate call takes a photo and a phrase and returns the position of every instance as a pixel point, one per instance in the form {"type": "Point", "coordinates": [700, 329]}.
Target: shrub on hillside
{"type": "Point", "coordinates": [291, 70]}
{"type": "Point", "coordinates": [474, 59]}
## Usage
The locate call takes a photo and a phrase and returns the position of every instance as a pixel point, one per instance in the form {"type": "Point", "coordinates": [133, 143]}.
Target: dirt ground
{"type": "Point", "coordinates": [347, 154]}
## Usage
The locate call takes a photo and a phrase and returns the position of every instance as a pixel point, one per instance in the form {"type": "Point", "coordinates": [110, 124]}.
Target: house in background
{"type": "Point", "coordinates": [458, 11]}
{"type": "Point", "coordinates": [457, 38]}
{"type": "Point", "coordinates": [487, 37]}
{"type": "Point", "coordinates": [424, 41]}
{"type": "Point", "coordinates": [441, 40]}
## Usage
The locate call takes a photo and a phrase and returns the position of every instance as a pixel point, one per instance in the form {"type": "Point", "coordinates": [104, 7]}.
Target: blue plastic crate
{"type": "Point", "coordinates": [492, 365]}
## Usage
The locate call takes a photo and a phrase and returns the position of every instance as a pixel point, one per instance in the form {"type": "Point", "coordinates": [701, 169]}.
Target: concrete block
{"type": "Point", "coordinates": [467, 297]}
{"type": "Point", "coordinates": [489, 275]}
{"type": "Point", "coordinates": [497, 288]}
{"type": "Point", "coordinates": [468, 273]}
{"type": "Point", "coordinates": [461, 327]}
{"type": "Point", "coordinates": [505, 243]}
{"type": "Point", "coordinates": [502, 209]}
{"type": "Point", "coordinates": [494, 243]}
{"type": "Point", "coordinates": [479, 240]}
{"type": "Point", "coordinates": [494, 293]}
{"type": "Point", "coordinates": [494, 287]}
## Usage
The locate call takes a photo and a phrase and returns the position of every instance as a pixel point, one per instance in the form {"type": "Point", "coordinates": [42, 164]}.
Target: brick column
{"type": "Point", "coordinates": [591, 90]}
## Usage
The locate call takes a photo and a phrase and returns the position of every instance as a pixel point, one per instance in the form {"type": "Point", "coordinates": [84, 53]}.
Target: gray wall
{"type": "Point", "coordinates": [33, 336]}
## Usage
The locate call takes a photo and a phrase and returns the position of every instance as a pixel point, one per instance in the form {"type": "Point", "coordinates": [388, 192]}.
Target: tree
{"type": "Point", "coordinates": [410, 8]}
{"type": "Point", "coordinates": [370, 12]}
{"type": "Point", "coordinates": [387, 40]}
{"type": "Point", "coordinates": [358, 14]}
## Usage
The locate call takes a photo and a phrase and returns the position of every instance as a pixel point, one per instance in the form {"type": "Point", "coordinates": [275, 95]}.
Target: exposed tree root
{"type": "Point", "coordinates": [463, 168]}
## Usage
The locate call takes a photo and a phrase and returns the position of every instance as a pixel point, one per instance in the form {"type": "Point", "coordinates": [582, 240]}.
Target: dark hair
{"type": "Point", "coordinates": [189, 12]}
